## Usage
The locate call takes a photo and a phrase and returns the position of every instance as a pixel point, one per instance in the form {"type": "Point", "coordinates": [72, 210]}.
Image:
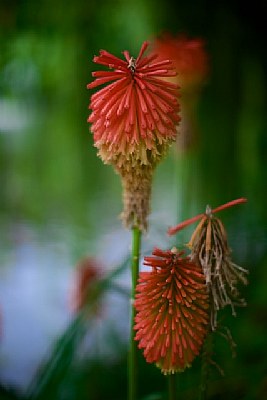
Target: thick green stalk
{"type": "Point", "coordinates": [172, 387]}
{"type": "Point", "coordinates": [132, 363]}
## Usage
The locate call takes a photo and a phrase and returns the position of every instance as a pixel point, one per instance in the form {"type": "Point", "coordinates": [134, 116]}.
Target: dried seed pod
{"type": "Point", "coordinates": [210, 249]}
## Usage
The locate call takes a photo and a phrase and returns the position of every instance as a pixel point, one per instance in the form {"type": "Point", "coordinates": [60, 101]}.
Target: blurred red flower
{"type": "Point", "coordinates": [87, 273]}
{"type": "Point", "coordinates": [188, 55]}
{"type": "Point", "coordinates": [172, 305]}
{"type": "Point", "coordinates": [190, 59]}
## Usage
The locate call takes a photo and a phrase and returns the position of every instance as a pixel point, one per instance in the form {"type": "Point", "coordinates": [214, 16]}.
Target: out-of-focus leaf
{"type": "Point", "coordinates": [8, 394]}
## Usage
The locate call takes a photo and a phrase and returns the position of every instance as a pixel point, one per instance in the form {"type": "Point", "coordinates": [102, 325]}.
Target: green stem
{"type": "Point", "coordinates": [172, 387]}
{"type": "Point", "coordinates": [205, 364]}
{"type": "Point", "coordinates": [132, 362]}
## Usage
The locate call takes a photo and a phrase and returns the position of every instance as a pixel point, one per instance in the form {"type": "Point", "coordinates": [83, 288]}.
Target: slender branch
{"type": "Point", "coordinates": [132, 362]}
{"type": "Point", "coordinates": [172, 387]}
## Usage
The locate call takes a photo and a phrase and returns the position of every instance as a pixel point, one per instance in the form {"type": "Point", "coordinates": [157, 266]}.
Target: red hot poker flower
{"type": "Point", "coordinates": [136, 112]}
{"type": "Point", "coordinates": [172, 310]}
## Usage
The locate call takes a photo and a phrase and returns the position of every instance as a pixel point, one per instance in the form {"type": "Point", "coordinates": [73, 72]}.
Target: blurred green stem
{"type": "Point", "coordinates": [205, 364]}
{"type": "Point", "coordinates": [132, 366]}
{"type": "Point", "coordinates": [172, 387]}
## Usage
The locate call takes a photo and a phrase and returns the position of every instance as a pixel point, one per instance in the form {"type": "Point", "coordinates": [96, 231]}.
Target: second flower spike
{"type": "Point", "coordinates": [172, 310]}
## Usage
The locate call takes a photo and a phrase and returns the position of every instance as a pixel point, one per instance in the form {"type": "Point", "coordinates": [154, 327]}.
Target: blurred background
{"type": "Point", "coordinates": [59, 204]}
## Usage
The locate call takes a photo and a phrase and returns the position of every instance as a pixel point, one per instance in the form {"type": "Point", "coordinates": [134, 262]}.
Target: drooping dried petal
{"type": "Point", "coordinates": [172, 311]}
{"type": "Point", "coordinates": [209, 247]}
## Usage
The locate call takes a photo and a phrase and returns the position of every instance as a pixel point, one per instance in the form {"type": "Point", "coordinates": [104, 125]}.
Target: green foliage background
{"type": "Point", "coordinates": [49, 171]}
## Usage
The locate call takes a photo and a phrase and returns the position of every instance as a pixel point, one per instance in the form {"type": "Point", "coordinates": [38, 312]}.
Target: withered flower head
{"type": "Point", "coordinates": [209, 247]}
{"type": "Point", "coordinates": [172, 310]}
{"type": "Point", "coordinates": [134, 117]}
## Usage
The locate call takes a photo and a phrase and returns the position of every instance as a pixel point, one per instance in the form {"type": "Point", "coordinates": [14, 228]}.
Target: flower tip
{"type": "Point", "coordinates": [145, 44]}
{"type": "Point", "coordinates": [96, 58]}
{"type": "Point", "coordinates": [142, 50]}
{"type": "Point", "coordinates": [171, 231]}
{"type": "Point", "coordinates": [243, 200]}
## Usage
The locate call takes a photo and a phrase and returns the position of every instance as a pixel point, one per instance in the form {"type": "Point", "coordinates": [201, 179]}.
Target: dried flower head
{"type": "Point", "coordinates": [209, 247]}
{"type": "Point", "coordinates": [134, 117]}
{"type": "Point", "coordinates": [172, 310]}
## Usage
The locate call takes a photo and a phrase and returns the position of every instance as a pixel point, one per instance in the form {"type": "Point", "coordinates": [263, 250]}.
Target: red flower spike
{"type": "Point", "coordinates": [138, 108]}
{"type": "Point", "coordinates": [175, 229]}
{"type": "Point", "coordinates": [172, 304]}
